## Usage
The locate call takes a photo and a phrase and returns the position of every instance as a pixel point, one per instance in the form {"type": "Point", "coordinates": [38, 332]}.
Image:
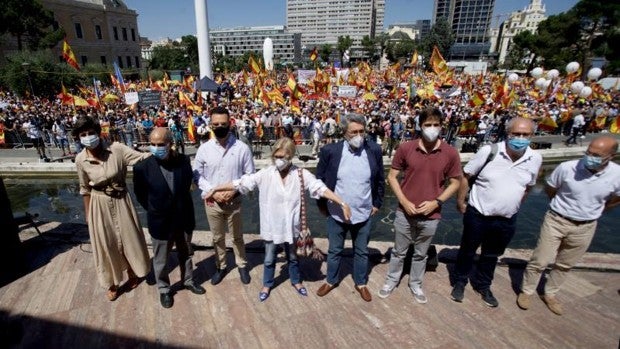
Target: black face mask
{"type": "Point", "coordinates": [221, 132]}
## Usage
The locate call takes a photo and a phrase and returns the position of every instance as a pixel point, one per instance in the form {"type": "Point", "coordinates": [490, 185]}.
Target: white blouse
{"type": "Point", "coordinates": [280, 200]}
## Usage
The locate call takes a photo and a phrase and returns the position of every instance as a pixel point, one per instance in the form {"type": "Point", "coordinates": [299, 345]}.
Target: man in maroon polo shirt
{"type": "Point", "coordinates": [427, 164]}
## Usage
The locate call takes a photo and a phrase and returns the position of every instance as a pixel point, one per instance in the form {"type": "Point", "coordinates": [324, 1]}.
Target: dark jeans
{"type": "Point", "coordinates": [360, 234]}
{"type": "Point", "coordinates": [492, 234]}
{"type": "Point", "coordinates": [573, 137]}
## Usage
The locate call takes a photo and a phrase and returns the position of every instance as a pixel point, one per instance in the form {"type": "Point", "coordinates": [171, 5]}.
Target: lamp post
{"type": "Point", "coordinates": [26, 67]}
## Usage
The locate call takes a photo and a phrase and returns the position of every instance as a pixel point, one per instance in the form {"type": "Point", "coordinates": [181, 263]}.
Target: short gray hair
{"type": "Point", "coordinates": [352, 117]}
{"type": "Point", "coordinates": [512, 121]}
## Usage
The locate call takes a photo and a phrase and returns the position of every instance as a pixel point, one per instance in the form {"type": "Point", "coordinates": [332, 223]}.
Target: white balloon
{"type": "Point", "coordinates": [540, 83]}
{"type": "Point", "coordinates": [576, 87]}
{"type": "Point", "coordinates": [594, 73]}
{"type": "Point", "coordinates": [572, 67]}
{"type": "Point", "coordinates": [536, 72]}
{"type": "Point", "coordinates": [513, 77]}
{"type": "Point", "coordinates": [585, 92]}
{"type": "Point", "coordinates": [268, 54]}
{"type": "Point", "coordinates": [547, 83]}
{"type": "Point", "coordinates": [552, 74]}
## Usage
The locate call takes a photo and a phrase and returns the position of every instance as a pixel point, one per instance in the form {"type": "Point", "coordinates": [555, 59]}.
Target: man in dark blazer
{"type": "Point", "coordinates": [353, 169]}
{"type": "Point", "coordinates": [162, 185]}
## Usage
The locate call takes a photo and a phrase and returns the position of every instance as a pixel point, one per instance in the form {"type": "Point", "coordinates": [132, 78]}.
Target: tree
{"type": "Point", "coordinates": [402, 49]}
{"type": "Point", "coordinates": [368, 45]}
{"type": "Point", "coordinates": [441, 36]}
{"type": "Point", "coordinates": [28, 20]}
{"type": "Point", "coordinates": [344, 43]}
{"type": "Point", "coordinates": [190, 43]}
{"type": "Point", "coordinates": [169, 57]}
{"type": "Point", "coordinates": [382, 40]}
{"type": "Point", "coordinates": [325, 52]}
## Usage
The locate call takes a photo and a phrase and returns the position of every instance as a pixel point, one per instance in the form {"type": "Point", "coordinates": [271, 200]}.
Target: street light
{"type": "Point", "coordinates": [26, 67]}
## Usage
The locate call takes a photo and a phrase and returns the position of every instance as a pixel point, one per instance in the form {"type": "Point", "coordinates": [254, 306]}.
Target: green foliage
{"type": "Point", "coordinates": [36, 68]}
{"type": "Point", "coordinates": [169, 58]}
{"type": "Point", "coordinates": [324, 52]}
{"type": "Point", "coordinates": [369, 47]}
{"type": "Point", "coordinates": [344, 43]}
{"type": "Point", "coordinates": [402, 50]}
{"type": "Point", "coordinates": [441, 36]}
{"type": "Point", "coordinates": [28, 20]}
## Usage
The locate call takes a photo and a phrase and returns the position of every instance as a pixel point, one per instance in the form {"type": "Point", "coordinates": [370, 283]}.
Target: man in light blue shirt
{"type": "Point", "coordinates": [353, 169]}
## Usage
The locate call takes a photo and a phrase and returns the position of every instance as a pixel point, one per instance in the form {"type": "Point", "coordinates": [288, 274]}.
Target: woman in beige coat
{"type": "Point", "coordinates": [115, 233]}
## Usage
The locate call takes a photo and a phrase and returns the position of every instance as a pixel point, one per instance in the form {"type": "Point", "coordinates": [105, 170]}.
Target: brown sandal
{"type": "Point", "coordinates": [113, 293]}
{"type": "Point", "coordinates": [133, 281]}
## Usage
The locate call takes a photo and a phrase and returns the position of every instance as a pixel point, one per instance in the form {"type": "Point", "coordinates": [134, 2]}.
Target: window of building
{"type": "Point", "coordinates": [115, 30]}
{"type": "Point", "coordinates": [120, 62]}
{"type": "Point", "coordinates": [103, 60]}
{"type": "Point", "coordinates": [137, 60]}
{"type": "Point", "coordinates": [98, 32]}
{"type": "Point", "coordinates": [124, 31]}
{"type": "Point", "coordinates": [84, 60]}
{"type": "Point", "coordinates": [133, 34]}
{"type": "Point", "coordinates": [78, 31]}
{"type": "Point", "coordinates": [128, 58]}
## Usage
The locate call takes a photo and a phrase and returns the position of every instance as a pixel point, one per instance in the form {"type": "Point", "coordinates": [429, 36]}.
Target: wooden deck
{"type": "Point", "coordinates": [59, 304]}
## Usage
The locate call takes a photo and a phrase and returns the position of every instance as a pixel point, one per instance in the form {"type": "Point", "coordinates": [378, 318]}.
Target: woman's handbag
{"type": "Point", "coordinates": [305, 243]}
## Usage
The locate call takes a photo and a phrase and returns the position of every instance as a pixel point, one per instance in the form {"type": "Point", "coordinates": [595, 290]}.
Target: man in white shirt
{"type": "Point", "coordinates": [218, 161]}
{"type": "Point", "coordinates": [580, 190]}
{"type": "Point", "coordinates": [578, 122]}
{"type": "Point", "coordinates": [490, 216]}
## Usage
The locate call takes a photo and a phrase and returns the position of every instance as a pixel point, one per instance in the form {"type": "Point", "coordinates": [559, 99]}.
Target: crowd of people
{"type": "Point", "coordinates": [350, 138]}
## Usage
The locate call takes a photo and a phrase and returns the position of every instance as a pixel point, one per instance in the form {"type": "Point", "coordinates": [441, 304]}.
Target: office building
{"type": "Point", "coordinates": [519, 21]}
{"type": "Point", "coordinates": [237, 41]}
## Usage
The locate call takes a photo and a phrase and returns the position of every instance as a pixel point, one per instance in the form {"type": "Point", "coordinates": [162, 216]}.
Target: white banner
{"type": "Point", "coordinates": [131, 98]}
{"type": "Point", "coordinates": [305, 76]}
{"type": "Point", "coordinates": [347, 91]}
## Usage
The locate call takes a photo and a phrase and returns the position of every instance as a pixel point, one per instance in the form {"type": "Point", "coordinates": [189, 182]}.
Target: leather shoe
{"type": "Point", "coordinates": [363, 290]}
{"type": "Point", "coordinates": [245, 275]}
{"type": "Point", "coordinates": [324, 289]}
{"type": "Point", "coordinates": [166, 300]}
{"type": "Point", "coordinates": [195, 289]}
{"type": "Point", "coordinates": [218, 276]}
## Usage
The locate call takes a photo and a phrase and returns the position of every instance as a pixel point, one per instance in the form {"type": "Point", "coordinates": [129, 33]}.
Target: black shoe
{"type": "Point", "coordinates": [458, 293]}
{"type": "Point", "coordinates": [166, 300]}
{"type": "Point", "coordinates": [195, 289]}
{"type": "Point", "coordinates": [488, 298]}
{"type": "Point", "coordinates": [218, 276]}
{"type": "Point", "coordinates": [245, 275]}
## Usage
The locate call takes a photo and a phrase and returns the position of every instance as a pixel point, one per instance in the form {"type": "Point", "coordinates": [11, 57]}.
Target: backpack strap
{"type": "Point", "coordinates": [494, 149]}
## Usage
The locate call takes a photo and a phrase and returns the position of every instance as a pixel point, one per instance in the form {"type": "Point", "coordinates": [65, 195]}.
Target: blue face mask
{"type": "Point", "coordinates": [592, 162]}
{"type": "Point", "coordinates": [518, 144]}
{"type": "Point", "coordinates": [159, 152]}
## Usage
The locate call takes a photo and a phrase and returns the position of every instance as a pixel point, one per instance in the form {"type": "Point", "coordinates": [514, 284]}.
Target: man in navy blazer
{"type": "Point", "coordinates": [353, 169]}
{"type": "Point", "coordinates": [162, 185]}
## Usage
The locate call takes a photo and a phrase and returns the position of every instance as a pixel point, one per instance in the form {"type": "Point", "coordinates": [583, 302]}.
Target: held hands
{"type": "Point", "coordinates": [427, 207]}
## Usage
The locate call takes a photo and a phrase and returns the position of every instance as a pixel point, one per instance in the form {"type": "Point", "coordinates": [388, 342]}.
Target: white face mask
{"type": "Point", "coordinates": [431, 133]}
{"type": "Point", "coordinates": [90, 141]}
{"type": "Point", "coordinates": [356, 141]}
{"type": "Point", "coordinates": [282, 164]}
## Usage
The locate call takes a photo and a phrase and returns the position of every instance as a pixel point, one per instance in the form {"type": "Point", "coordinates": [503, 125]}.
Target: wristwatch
{"type": "Point", "coordinates": [439, 202]}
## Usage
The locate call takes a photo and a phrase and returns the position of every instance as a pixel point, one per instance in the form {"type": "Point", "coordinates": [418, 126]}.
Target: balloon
{"type": "Point", "coordinates": [585, 92]}
{"type": "Point", "coordinates": [552, 74]}
{"type": "Point", "coordinates": [594, 73]}
{"type": "Point", "coordinates": [547, 84]}
{"type": "Point", "coordinates": [572, 67]}
{"type": "Point", "coordinates": [512, 78]}
{"type": "Point", "coordinates": [540, 83]}
{"type": "Point", "coordinates": [536, 72]}
{"type": "Point", "coordinates": [268, 53]}
{"type": "Point", "coordinates": [576, 87]}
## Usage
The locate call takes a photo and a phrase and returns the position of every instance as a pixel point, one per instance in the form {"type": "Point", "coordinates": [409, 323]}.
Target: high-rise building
{"type": "Point", "coordinates": [470, 21]}
{"type": "Point", "coordinates": [424, 28]}
{"type": "Point", "coordinates": [519, 21]}
{"type": "Point", "coordinates": [238, 41]}
{"type": "Point", "coordinates": [323, 21]}
{"type": "Point", "coordinates": [99, 31]}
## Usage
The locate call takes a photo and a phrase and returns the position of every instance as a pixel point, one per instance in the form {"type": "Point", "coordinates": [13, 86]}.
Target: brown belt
{"type": "Point", "coordinates": [574, 221]}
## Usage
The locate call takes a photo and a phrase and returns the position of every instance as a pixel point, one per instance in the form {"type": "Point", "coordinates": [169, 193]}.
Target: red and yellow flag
{"type": "Point", "coordinates": [477, 99]}
{"type": "Point", "coordinates": [254, 67]}
{"type": "Point", "coordinates": [314, 54]}
{"type": "Point", "coordinates": [547, 124]}
{"type": "Point", "coordinates": [468, 128]}
{"type": "Point", "coordinates": [615, 125]}
{"type": "Point", "coordinates": [191, 135]}
{"type": "Point", "coordinates": [438, 64]}
{"type": "Point", "coordinates": [68, 55]}
{"type": "Point", "coordinates": [184, 100]}
{"type": "Point", "coordinates": [414, 58]}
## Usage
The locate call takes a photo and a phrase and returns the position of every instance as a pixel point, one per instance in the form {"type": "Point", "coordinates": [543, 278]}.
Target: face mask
{"type": "Point", "coordinates": [431, 133]}
{"type": "Point", "coordinates": [592, 162]}
{"type": "Point", "coordinates": [90, 141]}
{"type": "Point", "coordinates": [282, 164]}
{"type": "Point", "coordinates": [518, 144]}
{"type": "Point", "coordinates": [221, 132]}
{"type": "Point", "coordinates": [356, 141]}
{"type": "Point", "coordinates": [159, 152]}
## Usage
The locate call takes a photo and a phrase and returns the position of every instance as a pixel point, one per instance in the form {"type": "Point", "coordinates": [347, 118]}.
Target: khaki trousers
{"type": "Point", "coordinates": [563, 241]}
{"type": "Point", "coordinates": [222, 218]}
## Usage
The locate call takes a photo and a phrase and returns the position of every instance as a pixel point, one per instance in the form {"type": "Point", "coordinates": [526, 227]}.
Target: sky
{"type": "Point", "coordinates": [174, 18]}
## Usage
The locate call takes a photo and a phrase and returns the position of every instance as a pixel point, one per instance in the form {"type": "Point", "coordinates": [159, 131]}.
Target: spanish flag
{"type": "Point", "coordinates": [615, 125]}
{"type": "Point", "coordinates": [414, 58]}
{"type": "Point", "coordinates": [68, 55]}
{"type": "Point", "coordinates": [254, 67]}
{"type": "Point", "coordinates": [547, 124]}
{"type": "Point", "coordinates": [477, 99]}
{"type": "Point", "coordinates": [468, 128]}
{"type": "Point", "coordinates": [439, 65]}
{"type": "Point", "coordinates": [314, 54]}
{"type": "Point", "coordinates": [190, 129]}
{"type": "Point", "coordinates": [184, 100]}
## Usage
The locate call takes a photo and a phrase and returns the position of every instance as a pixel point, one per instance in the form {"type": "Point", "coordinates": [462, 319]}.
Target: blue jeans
{"type": "Point", "coordinates": [360, 234]}
{"type": "Point", "coordinates": [269, 269]}
{"type": "Point", "coordinates": [492, 234]}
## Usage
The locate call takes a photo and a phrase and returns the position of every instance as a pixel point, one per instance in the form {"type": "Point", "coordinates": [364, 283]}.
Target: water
{"type": "Point", "coordinates": [59, 200]}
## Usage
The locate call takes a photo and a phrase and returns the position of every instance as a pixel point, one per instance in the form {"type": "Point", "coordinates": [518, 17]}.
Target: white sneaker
{"type": "Point", "coordinates": [385, 291]}
{"type": "Point", "coordinates": [419, 295]}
